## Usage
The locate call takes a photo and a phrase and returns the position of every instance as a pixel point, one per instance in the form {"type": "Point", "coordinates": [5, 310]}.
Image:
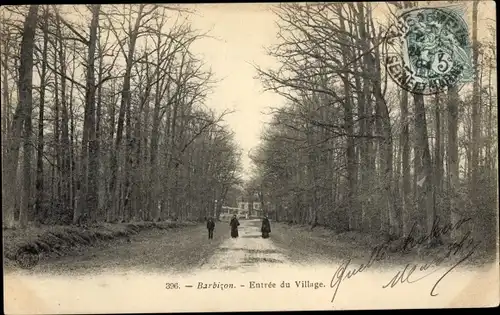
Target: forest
{"type": "Point", "coordinates": [353, 151]}
{"type": "Point", "coordinates": [104, 117]}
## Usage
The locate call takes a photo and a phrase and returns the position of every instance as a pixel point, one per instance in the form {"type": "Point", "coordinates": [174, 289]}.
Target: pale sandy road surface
{"type": "Point", "coordinates": [248, 252]}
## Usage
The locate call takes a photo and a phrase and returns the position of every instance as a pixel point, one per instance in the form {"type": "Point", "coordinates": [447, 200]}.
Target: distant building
{"type": "Point", "coordinates": [250, 208]}
{"type": "Point", "coordinates": [241, 212]}
{"type": "Point", "coordinates": [244, 205]}
{"type": "Point", "coordinates": [244, 209]}
{"type": "Point", "coordinates": [229, 210]}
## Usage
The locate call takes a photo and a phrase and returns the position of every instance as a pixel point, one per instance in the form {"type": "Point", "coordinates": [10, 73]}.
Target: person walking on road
{"type": "Point", "coordinates": [234, 226]}
{"type": "Point", "coordinates": [266, 227]}
{"type": "Point", "coordinates": [210, 227]}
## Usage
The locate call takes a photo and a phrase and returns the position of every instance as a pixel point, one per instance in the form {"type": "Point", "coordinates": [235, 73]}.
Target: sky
{"type": "Point", "coordinates": [241, 32]}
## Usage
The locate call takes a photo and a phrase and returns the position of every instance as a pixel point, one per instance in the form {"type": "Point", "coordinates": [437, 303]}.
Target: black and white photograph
{"type": "Point", "coordinates": [225, 157]}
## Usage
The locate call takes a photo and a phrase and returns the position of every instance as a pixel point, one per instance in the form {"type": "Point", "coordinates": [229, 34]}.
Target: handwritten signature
{"type": "Point", "coordinates": [437, 230]}
{"type": "Point", "coordinates": [378, 253]}
{"type": "Point", "coordinates": [409, 272]}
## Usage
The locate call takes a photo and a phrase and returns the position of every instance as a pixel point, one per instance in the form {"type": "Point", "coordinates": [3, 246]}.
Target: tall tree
{"type": "Point", "coordinates": [476, 119]}
{"type": "Point", "coordinates": [424, 193]}
{"type": "Point", "coordinates": [39, 203]}
{"type": "Point", "coordinates": [22, 118]}
{"type": "Point", "coordinates": [132, 36]}
{"type": "Point", "coordinates": [87, 200]}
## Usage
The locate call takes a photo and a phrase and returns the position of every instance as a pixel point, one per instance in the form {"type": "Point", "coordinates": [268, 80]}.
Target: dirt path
{"type": "Point", "coordinates": [247, 252]}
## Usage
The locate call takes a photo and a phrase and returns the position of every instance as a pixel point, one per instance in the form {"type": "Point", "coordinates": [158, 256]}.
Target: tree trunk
{"type": "Point", "coordinates": [99, 215]}
{"type": "Point", "coordinates": [8, 209]}
{"type": "Point", "coordinates": [438, 155]}
{"type": "Point", "coordinates": [489, 159]}
{"type": "Point", "coordinates": [365, 111]}
{"type": "Point", "coordinates": [393, 225]}
{"type": "Point", "coordinates": [26, 102]}
{"type": "Point", "coordinates": [124, 105]}
{"type": "Point", "coordinates": [72, 140]}
{"type": "Point", "coordinates": [65, 145]}
{"type": "Point", "coordinates": [405, 147]}
{"type": "Point", "coordinates": [424, 168]}
{"type": "Point", "coordinates": [476, 120]}
{"type": "Point", "coordinates": [39, 202]}
{"type": "Point", "coordinates": [56, 174]}
{"type": "Point", "coordinates": [350, 154]}
{"type": "Point", "coordinates": [452, 156]}
{"type": "Point", "coordinates": [88, 174]}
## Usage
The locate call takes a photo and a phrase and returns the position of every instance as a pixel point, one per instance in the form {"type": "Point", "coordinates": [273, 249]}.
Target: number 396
{"type": "Point", "coordinates": [170, 286]}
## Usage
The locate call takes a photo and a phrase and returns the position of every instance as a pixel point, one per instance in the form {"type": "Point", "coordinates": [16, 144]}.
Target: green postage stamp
{"type": "Point", "coordinates": [429, 50]}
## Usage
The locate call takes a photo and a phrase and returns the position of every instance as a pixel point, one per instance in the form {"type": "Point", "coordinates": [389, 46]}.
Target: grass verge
{"type": "Point", "coordinates": [358, 245]}
{"type": "Point", "coordinates": [50, 241]}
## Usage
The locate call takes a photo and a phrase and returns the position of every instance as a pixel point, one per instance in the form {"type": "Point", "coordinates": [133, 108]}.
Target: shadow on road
{"type": "Point", "coordinates": [256, 260]}
{"type": "Point", "coordinates": [250, 250]}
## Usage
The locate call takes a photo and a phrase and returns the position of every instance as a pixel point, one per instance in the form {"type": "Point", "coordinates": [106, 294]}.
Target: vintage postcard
{"type": "Point", "coordinates": [249, 156]}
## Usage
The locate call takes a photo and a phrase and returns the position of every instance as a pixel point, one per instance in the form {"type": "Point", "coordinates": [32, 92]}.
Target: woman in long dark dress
{"type": "Point", "coordinates": [266, 228]}
{"type": "Point", "coordinates": [234, 226]}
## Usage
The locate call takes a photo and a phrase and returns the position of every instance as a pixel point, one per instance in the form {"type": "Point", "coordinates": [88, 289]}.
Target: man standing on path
{"type": "Point", "coordinates": [210, 227]}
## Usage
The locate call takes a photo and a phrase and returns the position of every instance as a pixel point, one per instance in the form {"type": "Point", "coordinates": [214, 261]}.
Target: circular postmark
{"type": "Point", "coordinates": [428, 50]}
{"type": "Point", "coordinates": [27, 258]}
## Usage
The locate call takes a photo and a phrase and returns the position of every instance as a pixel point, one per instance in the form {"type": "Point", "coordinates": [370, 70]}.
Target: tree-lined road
{"type": "Point", "coordinates": [189, 250]}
